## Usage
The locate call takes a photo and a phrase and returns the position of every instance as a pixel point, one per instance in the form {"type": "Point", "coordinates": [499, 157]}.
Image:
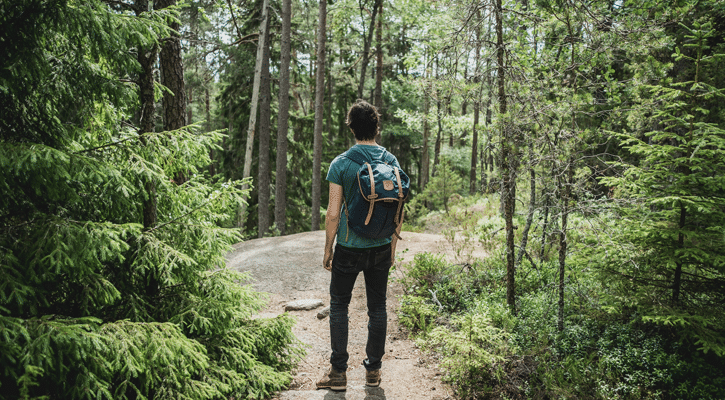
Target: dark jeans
{"type": "Point", "coordinates": [346, 264]}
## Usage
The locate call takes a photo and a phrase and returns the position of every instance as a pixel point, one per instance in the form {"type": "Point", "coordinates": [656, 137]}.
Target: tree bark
{"type": "Point", "coordinates": [366, 50]}
{"type": "Point", "coordinates": [565, 191]}
{"type": "Point", "coordinates": [172, 76]}
{"type": "Point", "coordinates": [507, 174]}
{"type": "Point", "coordinates": [484, 177]}
{"type": "Point", "coordinates": [263, 178]}
{"type": "Point", "coordinates": [207, 113]}
{"type": "Point", "coordinates": [437, 149]}
{"type": "Point", "coordinates": [319, 114]}
{"type": "Point", "coordinates": [425, 153]}
{"type": "Point", "coordinates": [247, 172]}
{"type": "Point", "coordinates": [379, 62]}
{"type": "Point", "coordinates": [532, 208]}
{"type": "Point", "coordinates": [280, 193]}
{"type": "Point", "coordinates": [544, 226]}
{"type": "Point", "coordinates": [476, 111]}
{"type": "Point", "coordinates": [147, 58]}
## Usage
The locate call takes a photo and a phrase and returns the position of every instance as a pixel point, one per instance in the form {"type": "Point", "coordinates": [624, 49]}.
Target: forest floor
{"type": "Point", "coordinates": [290, 268]}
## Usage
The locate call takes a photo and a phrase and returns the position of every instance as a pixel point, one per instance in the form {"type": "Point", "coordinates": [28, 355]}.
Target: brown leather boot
{"type": "Point", "coordinates": [373, 378]}
{"type": "Point", "coordinates": [333, 380]}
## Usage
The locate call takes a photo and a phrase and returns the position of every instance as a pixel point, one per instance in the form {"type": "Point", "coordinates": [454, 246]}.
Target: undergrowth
{"type": "Point", "coordinates": [457, 310]}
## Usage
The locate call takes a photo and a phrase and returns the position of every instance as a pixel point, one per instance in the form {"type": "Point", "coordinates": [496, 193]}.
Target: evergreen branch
{"type": "Point", "coordinates": [103, 146]}
{"type": "Point", "coordinates": [180, 216]}
{"type": "Point", "coordinates": [121, 4]}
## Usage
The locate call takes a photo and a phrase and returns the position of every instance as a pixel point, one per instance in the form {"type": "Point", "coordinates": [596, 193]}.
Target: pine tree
{"type": "Point", "coordinates": [673, 214]}
{"type": "Point", "coordinates": [77, 318]}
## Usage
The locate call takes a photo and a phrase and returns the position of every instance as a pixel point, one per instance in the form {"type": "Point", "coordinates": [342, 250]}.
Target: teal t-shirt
{"type": "Point", "coordinates": [344, 173]}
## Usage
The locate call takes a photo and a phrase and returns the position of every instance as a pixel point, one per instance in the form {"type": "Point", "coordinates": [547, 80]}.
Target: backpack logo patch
{"type": "Point", "coordinates": [388, 185]}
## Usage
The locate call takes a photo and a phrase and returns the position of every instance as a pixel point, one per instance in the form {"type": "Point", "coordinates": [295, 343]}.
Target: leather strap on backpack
{"type": "Point", "coordinates": [373, 195]}
{"type": "Point", "coordinates": [400, 194]}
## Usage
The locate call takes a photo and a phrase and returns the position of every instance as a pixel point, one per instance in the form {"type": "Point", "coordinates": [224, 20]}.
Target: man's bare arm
{"type": "Point", "coordinates": [395, 238]}
{"type": "Point", "coordinates": [332, 220]}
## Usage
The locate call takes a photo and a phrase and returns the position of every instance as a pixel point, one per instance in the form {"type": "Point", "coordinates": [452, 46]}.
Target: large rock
{"type": "Point", "coordinates": [305, 304]}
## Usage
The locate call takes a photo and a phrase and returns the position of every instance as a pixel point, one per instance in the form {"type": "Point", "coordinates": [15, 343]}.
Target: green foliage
{"type": "Point", "coordinates": [437, 193]}
{"type": "Point", "coordinates": [603, 352]}
{"type": "Point", "coordinates": [671, 206]}
{"type": "Point", "coordinates": [93, 304]}
{"type": "Point", "coordinates": [417, 313]}
{"type": "Point", "coordinates": [615, 360]}
{"type": "Point", "coordinates": [474, 352]}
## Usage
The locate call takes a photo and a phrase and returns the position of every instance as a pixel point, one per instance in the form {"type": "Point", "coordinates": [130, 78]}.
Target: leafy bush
{"type": "Point", "coordinates": [474, 352]}
{"type": "Point", "coordinates": [445, 183]}
{"type": "Point", "coordinates": [417, 313]}
{"type": "Point", "coordinates": [615, 360]}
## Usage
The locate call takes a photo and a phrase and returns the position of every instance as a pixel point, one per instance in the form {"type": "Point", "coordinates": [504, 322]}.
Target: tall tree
{"type": "Point", "coordinates": [439, 120]}
{"type": "Point", "coordinates": [265, 115]}
{"type": "Point", "coordinates": [508, 175]}
{"type": "Point", "coordinates": [147, 59]}
{"type": "Point", "coordinates": [319, 114]}
{"type": "Point", "coordinates": [671, 209]}
{"type": "Point", "coordinates": [476, 107]}
{"type": "Point", "coordinates": [378, 102]}
{"type": "Point", "coordinates": [254, 104]}
{"type": "Point", "coordinates": [280, 187]}
{"type": "Point", "coordinates": [172, 76]}
{"type": "Point", "coordinates": [366, 48]}
{"type": "Point", "coordinates": [425, 152]}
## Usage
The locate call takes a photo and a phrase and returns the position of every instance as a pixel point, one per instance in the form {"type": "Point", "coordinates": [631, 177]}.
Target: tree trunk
{"type": "Point", "coordinates": [486, 152]}
{"type": "Point", "coordinates": [507, 174]}
{"type": "Point", "coordinates": [474, 149]}
{"type": "Point", "coordinates": [263, 178]}
{"type": "Point", "coordinates": [565, 191]}
{"type": "Point", "coordinates": [207, 113]}
{"type": "Point", "coordinates": [484, 177]}
{"type": "Point", "coordinates": [280, 193]}
{"type": "Point", "coordinates": [366, 50]}
{"type": "Point", "coordinates": [147, 59]}
{"type": "Point", "coordinates": [319, 114]}
{"type": "Point", "coordinates": [329, 101]}
{"type": "Point", "coordinates": [530, 216]}
{"type": "Point", "coordinates": [379, 66]}
{"type": "Point", "coordinates": [247, 172]}
{"type": "Point", "coordinates": [425, 154]}
{"type": "Point", "coordinates": [172, 76]}
{"type": "Point", "coordinates": [437, 149]}
{"type": "Point", "coordinates": [544, 226]}
{"type": "Point", "coordinates": [476, 111]}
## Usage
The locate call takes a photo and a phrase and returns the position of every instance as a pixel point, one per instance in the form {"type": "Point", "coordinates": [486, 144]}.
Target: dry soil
{"type": "Point", "coordinates": [290, 268]}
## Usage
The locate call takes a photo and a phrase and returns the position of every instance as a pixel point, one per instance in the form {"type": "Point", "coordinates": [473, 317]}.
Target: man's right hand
{"type": "Point", "coordinates": [327, 260]}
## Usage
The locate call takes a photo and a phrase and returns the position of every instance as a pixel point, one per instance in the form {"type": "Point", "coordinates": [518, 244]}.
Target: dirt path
{"type": "Point", "coordinates": [290, 268]}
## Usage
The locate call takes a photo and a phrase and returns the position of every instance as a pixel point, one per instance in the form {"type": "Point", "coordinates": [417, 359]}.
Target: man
{"type": "Point", "coordinates": [354, 254]}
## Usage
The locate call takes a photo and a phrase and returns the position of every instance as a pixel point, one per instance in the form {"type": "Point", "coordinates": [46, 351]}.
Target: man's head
{"type": "Point", "coordinates": [363, 119]}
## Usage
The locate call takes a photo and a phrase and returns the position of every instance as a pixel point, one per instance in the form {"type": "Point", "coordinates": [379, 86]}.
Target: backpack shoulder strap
{"type": "Point", "coordinates": [388, 157]}
{"type": "Point", "coordinates": [355, 156]}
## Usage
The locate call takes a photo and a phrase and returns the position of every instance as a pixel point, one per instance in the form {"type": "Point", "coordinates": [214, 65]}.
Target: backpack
{"type": "Point", "coordinates": [376, 209]}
